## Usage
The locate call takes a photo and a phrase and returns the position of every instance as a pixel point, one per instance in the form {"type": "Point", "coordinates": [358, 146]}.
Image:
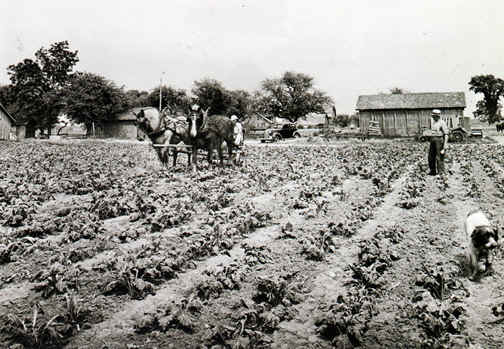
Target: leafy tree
{"type": "Point", "coordinates": [492, 89]}
{"type": "Point", "coordinates": [37, 84]}
{"type": "Point", "coordinates": [209, 93]}
{"type": "Point", "coordinates": [91, 99]}
{"type": "Point", "coordinates": [482, 113]}
{"type": "Point", "coordinates": [8, 99]}
{"type": "Point", "coordinates": [292, 96]}
{"type": "Point", "coordinates": [137, 98]}
{"type": "Point", "coordinates": [239, 103]}
{"type": "Point", "coordinates": [342, 120]}
{"type": "Point", "coordinates": [176, 99]}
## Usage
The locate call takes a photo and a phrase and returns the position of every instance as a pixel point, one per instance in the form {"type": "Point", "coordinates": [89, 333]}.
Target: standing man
{"type": "Point", "coordinates": [238, 137]}
{"type": "Point", "coordinates": [438, 143]}
{"type": "Point", "coordinates": [237, 131]}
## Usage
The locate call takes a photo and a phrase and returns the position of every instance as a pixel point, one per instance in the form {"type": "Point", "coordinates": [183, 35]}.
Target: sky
{"type": "Point", "coordinates": [350, 48]}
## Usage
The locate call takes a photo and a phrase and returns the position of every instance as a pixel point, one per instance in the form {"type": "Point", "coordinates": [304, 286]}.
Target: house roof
{"type": "Point", "coordinates": [7, 113]}
{"type": "Point", "coordinates": [428, 100]}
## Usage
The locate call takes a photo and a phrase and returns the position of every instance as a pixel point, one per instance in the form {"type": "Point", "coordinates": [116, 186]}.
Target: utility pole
{"type": "Point", "coordinates": [160, 89]}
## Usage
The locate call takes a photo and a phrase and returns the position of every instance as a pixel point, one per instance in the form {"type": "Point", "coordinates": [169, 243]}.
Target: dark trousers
{"type": "Point", "coordinates": [436, 159]}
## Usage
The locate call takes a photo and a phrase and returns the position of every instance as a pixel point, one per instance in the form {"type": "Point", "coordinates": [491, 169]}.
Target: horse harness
{"type": "Point", "coordinates": [167, 123]}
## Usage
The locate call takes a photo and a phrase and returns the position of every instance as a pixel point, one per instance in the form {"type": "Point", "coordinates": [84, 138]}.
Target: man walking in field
{"type": "Point", "coordinates": [438, 143]}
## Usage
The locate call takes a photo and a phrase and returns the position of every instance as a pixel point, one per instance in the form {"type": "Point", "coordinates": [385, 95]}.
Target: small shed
{"type": "Point", "coordinates": [124, 126]}
{"type": "Point", "coordinates": [403, 115]}
{"type": "Point", "coordinates": [7, 125]}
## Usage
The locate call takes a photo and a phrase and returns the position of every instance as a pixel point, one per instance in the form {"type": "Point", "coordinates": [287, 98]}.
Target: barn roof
{"type": "Point", "coordinates": [7, 113]}
{"type": "Point", "coordinates": [427, 100]}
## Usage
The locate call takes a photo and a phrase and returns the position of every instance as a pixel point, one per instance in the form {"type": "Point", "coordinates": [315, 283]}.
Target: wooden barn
{"type": "Point", "coordinates": [122, 127]}
{"type": "Point", "coordinates": [404, 115]}
{"type": "Point", "coordinates": [7, 124]}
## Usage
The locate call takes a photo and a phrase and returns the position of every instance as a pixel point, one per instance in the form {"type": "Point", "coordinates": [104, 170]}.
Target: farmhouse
{"type": "Point", "coordinates": [406, 114]}
{"type": "Point", "coordinates": [7, 124]}
{"type": "Point", "coordinates": [123, 126]}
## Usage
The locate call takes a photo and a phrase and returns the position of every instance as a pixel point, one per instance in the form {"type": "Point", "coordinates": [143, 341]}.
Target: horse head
{"type": "Point", "coordinates": [148, 120]}
{"type": "Point", "coordinates": [197, 121]}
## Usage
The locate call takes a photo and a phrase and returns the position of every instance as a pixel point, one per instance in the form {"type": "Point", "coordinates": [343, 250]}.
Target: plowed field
{"type": "Point", "coordinates": [342, 245]}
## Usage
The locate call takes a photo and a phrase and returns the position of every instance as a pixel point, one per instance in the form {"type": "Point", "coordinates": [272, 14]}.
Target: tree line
{"type": "Point", "coordinates": [46, 86]}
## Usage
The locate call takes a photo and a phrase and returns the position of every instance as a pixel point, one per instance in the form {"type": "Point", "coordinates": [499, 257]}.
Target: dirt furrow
{"type": "Point", "coordinates": [487, 292]}
{"type": "Point", "coordinates": [331, 276]}
{"type": "Point", "coordinates": [178, 288]}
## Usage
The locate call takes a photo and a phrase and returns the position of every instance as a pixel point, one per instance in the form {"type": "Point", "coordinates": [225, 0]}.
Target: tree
{"type": "Point", "coordinates": [292, 96]}
{"type": "Point", "coordinates": [239, 103]}
{"type": "Point", "coordinates": [342, 120]}
{"type": "Point", "coordinates": [209, 93]}
{"type": "Point", "coordinates": [137, 98]}
{"type": "Point", "coordinates": [37, 84]}
{"type": "Point", "coordinates": [492, 89]}
{"type": "Point", "coordinates": [176, 99]}
{"type": "Point", "coordinates": [91, 99]}
{"type": "Point", "coordinates": [8, 99]}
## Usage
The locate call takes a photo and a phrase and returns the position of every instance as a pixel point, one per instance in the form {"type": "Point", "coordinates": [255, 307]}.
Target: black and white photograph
{"type": "Point", "coordinates": [251, 174]}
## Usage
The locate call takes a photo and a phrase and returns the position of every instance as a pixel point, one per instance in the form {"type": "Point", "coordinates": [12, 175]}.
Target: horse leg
{"type": "Point", "coordinates": [211, 145]}
{"type": "Point", "coordinates": [221, 155]}
{"type": "Point", "coordinates": [230, 147]}
{"type": "Point", "coordinates": [160, 156]}
{"type": "Point", "coordinates": [175, 154]}
{"type": "Point", "coordinates": [189, 157]}
{"type": "Point", "coordinates": [194, 154]}
{"type": "Point", "coordinates": [210, 153]}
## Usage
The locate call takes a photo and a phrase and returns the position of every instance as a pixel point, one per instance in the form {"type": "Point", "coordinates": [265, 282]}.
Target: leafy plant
{"type": "Point", "coordinates": [37, 331]}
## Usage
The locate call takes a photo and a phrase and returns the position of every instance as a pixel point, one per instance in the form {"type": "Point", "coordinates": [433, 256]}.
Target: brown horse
{"type": "Point", "coordinates": [163, 129]}
{"type": "Point", "coordinates": [210, 132]}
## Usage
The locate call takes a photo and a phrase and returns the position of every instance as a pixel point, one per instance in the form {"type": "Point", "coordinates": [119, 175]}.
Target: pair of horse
{"type": "Point", "coordinates": [199, 130]}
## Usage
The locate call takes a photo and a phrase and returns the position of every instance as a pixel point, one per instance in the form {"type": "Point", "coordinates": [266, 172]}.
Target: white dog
{"type": "Point", "coordinates": [482, 238]}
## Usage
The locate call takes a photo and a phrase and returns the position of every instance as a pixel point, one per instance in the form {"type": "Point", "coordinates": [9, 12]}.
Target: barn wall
{"type": "Point", "coordinates": [121, 129]}
{"type": "Point", "coordinates": [406, 122]}
{"type": "Point", "coordinates": [5, 126]}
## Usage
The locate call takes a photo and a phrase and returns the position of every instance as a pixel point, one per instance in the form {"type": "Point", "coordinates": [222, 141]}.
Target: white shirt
{"type": "Point", "coordinates": [238, 133]}
{"type": "Point", "coordinates": [439, 127]}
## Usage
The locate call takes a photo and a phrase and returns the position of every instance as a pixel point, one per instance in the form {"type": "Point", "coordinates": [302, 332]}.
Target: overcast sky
{"type": "Point", "coordinates": [350, 47]}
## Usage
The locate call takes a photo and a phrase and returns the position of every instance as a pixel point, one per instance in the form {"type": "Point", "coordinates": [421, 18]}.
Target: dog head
{"type": "Point", "coordinates": [485, 237]}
